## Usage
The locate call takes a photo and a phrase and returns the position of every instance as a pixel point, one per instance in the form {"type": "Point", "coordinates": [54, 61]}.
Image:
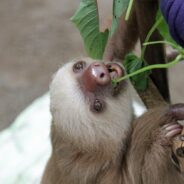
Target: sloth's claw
{"type": "Point", "coordinates": [171, 130]}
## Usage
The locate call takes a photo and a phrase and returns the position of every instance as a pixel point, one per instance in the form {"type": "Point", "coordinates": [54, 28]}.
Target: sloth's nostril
{"type": "Point", "coordinates": [102, 75]}
{"type": "Point", "coordinates": [110, 70]}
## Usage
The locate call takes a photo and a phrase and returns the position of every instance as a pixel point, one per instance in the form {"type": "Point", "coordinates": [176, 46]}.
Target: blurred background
{"type": "Point", "coordinates": [36, 37]}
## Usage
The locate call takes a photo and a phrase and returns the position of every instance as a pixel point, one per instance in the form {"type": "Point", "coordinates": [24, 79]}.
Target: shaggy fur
{"type": "Point", "coordinates": [100, 148]}
{"type": "Point", "coordinates": [149, 155]}
{"type": "Point", "coordinates": [87, 147]}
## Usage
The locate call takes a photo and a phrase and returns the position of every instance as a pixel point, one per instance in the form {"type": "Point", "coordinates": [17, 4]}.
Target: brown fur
{"type": "Point", "coordinates": [87, 147]}
{"type": "Point", "coordinates": [100, 148]}
{"type": "Point", "coordinates": [149, 157]}
{"type": "Point", "coordinates": [69, 165]}
{"type": "Point", "coordinates": [124, 38]}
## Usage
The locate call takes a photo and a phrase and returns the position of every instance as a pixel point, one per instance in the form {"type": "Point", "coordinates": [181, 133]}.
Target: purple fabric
{"type": "Point", "coordinates": [173, 11]}
{"type": "Point", "coordinates": [165, 6]}
{"type": "Point", "coordinates": [180, 21]}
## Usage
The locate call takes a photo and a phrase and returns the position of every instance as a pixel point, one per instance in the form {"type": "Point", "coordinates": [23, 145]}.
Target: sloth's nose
{"type": "Point", "coordinates": [100, 73]}
{"type": "Point", "coordinates": [96, 75]}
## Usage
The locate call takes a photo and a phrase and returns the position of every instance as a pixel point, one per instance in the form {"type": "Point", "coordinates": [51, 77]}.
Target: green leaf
{"type": "Point", "coordinates": [132, 63]}
{"type": "Point", "coordinates": [87, 21]}
{"type": "Point", "coordinates": [119, 7]}
{"type": "Point", "coordinates": [164, 29]}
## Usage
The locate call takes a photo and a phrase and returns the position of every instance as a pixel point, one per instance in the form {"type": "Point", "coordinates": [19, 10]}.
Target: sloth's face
{"type": "Point", "coordinates": [94, 79]}
{"type": "Point", "coordinates": [91, 80]}
{"type": "Point", "coordinates": [86, 108]}
{"type": "Point", "coordinates": [82, 91]}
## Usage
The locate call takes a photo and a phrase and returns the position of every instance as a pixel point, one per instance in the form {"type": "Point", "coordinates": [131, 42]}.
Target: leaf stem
{"type": "Point", "coordinates": [150, 67]}
{"type": "Point", "coordinates": [161, 41]}
{"type": "Point", "coordinates": [129, 9]}
{"type": "Point", "coordinates": [154, 27]}
{"type": "Point", "coordinates": [179, 48]}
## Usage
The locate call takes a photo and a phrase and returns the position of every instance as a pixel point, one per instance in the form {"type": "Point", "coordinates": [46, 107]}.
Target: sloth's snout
{"type": "Point", "coordinates": [100, 73]}
{"type": "Point", "coordinates": [95, 75]}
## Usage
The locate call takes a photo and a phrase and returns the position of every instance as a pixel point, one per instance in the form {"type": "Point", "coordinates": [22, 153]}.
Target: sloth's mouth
{"type": "Point", "coordinates": [115, 72]}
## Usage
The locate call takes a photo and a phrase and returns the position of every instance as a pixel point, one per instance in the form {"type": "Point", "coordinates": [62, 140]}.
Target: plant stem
{"type": "Point", "coordinates": [162, 41]}
{"type": "Point", "coordinates": [129, 9]}
{"type": "Point", "coordinates": [154, 27]}
{"type": "Point", "coordinates": [180, 49]}
{"type": "Point", "coordinates": [150, 67]}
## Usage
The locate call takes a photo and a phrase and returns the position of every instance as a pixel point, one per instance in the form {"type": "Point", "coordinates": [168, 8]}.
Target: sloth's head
{"type": "Point", "coordinates": [86, 105]}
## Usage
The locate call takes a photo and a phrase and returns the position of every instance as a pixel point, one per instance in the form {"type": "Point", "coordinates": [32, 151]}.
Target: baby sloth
{"type": "Point", "coordinates": [91, 123]}
{"type": "Point", "coordinates": [91, 132]}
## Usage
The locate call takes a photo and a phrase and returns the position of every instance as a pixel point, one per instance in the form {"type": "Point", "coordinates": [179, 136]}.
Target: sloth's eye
{"type": "Point", "coordinates": [77, 67]}
{"type": "Point", "coordinates": [98, 106]}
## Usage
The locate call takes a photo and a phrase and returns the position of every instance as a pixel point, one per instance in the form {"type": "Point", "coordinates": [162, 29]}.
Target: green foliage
{"type": "Point", "coordinates": [119, 7]}
{"type": "Point", "coordinates": [163, 28]}
{"type": "Point", "coordinates": [87, 21]}
{"type": "Point", "coordinates": [132, 63]}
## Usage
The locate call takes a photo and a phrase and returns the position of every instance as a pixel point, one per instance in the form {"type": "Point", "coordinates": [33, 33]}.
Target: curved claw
{"type": "Point", "coordinates": [172, 129]}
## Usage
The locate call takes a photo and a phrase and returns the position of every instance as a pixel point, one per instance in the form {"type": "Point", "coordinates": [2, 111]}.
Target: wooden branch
{"type": "Point", "coordinates": [146, 14]}
{"type": "Point", "coordinates": [146, 11]}
{"type": "Point", "coordinates": [151, 97]}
